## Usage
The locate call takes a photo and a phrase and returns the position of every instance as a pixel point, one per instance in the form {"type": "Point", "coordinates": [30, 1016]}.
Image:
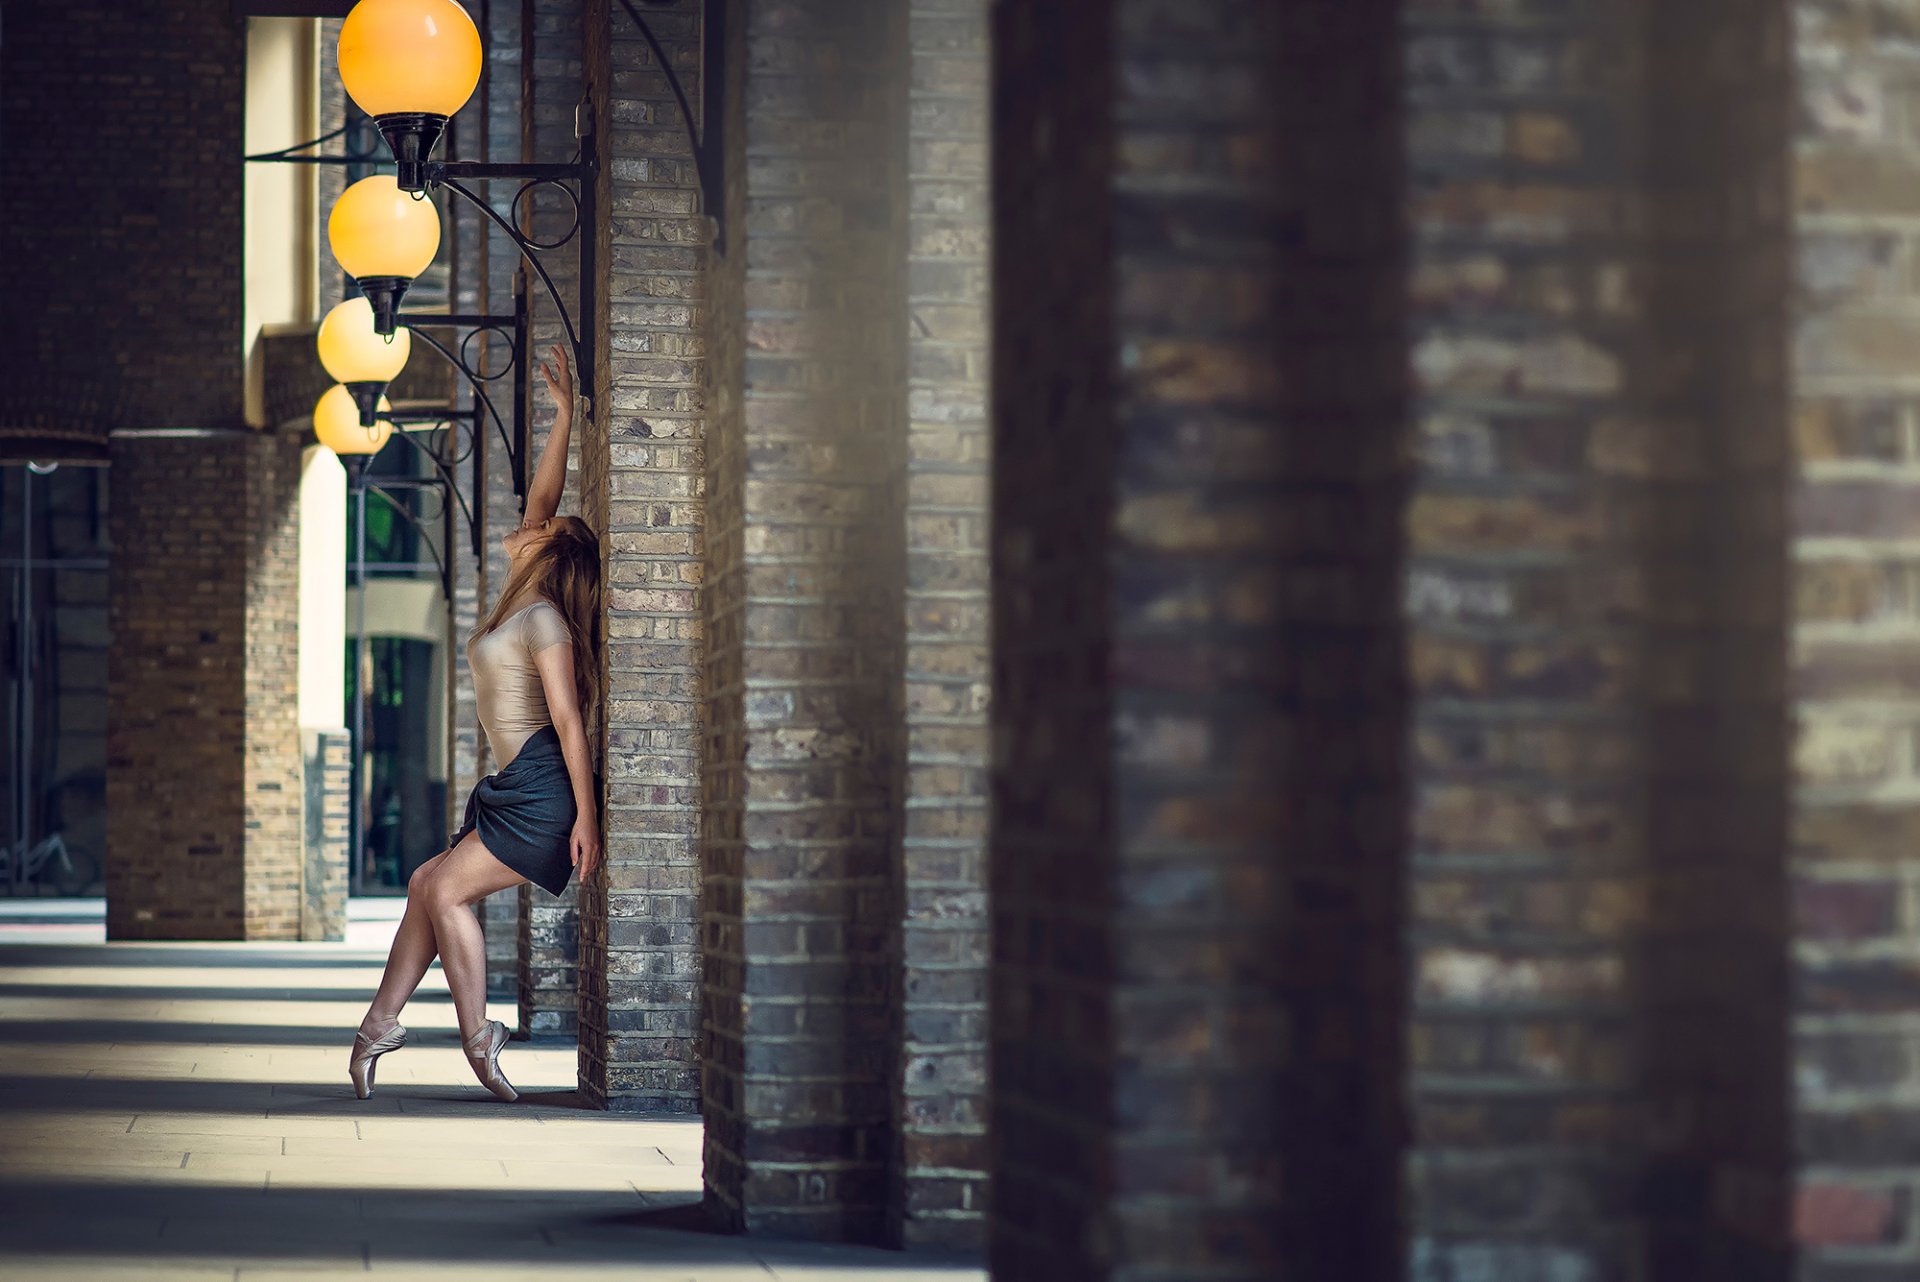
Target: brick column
{"type": "Point", "coordinates": [468, 254]}
{"type": "Point", "coordinates": [799, 898]}
{"type": "Point", "coordinates": [1197, 692]}
{"type": "Point", "coordinates": [204, 772]}
{"type": "Point", "coordinates": [551, 36]}
{"type": "Point", "coordinates": [205, 835]}
{"type": "Point", "coordinates": [328, 762]}
{"type": "Point", "coordinates": [1856, 828]}
{"type": "Point", "coordinates": [942, 1060]}
{"type": "Point", "coordinates": [1596, 607]}
{"type": "Point", "coordinates": [498, 264]}
{"type": "Point", "coordinates": [639, 942]}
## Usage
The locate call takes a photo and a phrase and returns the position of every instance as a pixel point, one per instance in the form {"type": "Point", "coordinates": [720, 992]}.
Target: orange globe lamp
{"type": "Point", "coordinates": [336, 424]}
{"type": "Point", "coordinates": [410, 64]}
{"type": "Point", "coordinates": [360, 359]}
{"type": "Point", "coordinates": [383, 238]}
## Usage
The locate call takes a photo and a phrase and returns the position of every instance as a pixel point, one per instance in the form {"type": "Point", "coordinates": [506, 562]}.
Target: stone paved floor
{"type": "Point", "coordinates": [182, 1111]}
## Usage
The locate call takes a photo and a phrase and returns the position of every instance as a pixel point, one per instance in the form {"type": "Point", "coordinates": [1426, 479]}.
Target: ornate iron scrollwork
{"type": "Point", "coordinates": [576, 180]}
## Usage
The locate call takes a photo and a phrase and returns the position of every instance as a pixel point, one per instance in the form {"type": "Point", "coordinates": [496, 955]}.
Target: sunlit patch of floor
{"type": "Point", "coordinates": [183, 1111]}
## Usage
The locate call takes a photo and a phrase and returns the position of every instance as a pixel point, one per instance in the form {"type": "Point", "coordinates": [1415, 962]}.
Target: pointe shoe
{"type": "Point", "coordinates": [368, 1050]}
{"type": "Point", "coordinates": [483, 1052]}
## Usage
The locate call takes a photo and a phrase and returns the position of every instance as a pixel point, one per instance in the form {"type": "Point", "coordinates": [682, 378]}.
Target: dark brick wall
{"type": "Point", "coordinates": [942, 1060]}
{"type": "Point", "coordinates": [590, 945]}
{"type": "Point", "coordinates": [123, 128]}
{"type": "Point", "coordinates": [799, 907]}
{"type": "Point", "coordinates": [123, 142]}
{"type": "Point", "coordinates": [722, 1042]}
{"type": "Point", "coordinates": [1197, 691]}
{"type": "Point", "coordinates": [1595, 599]}
{"type": "Point", "coordinates": [1856, 826]}
{"type": "Point", "coordinates": [204, 765]}
{"type": "Point", "coordinates": [1052, 1025]}
{"type": "Point", "coordinates": [640, 950]}
{"type": "Point", "coordinates": [1716, 963]}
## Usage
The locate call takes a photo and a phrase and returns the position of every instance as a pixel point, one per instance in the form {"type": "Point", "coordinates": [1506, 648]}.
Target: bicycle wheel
{"type": "Point", "coordinates": [74, 872]}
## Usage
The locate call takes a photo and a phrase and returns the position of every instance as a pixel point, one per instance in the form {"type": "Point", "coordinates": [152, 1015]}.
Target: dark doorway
{"type": "Point", "coordinates": [53, 572]}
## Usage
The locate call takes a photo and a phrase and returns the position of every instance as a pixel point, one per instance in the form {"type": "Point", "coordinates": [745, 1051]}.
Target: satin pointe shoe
{"type": "Point", "coordinates": [483, 1052]}
{"type": "Point", "coordinates": [366, 1053]}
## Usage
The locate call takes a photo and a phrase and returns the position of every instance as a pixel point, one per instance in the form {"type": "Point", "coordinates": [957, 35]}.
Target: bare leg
{"type": "Point", "coordinates": [468, 874]}
{"type": "Point", "coordinates": [414, 948]}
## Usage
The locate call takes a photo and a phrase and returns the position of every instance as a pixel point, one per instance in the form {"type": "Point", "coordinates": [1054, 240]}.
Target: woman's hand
{"type": "Point", "coordinates": [559, 377]}
{"type": "Point", "coordinates": [585, 844]}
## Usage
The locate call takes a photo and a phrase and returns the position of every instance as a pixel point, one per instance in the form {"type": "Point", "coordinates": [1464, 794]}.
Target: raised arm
{"type": "Point", "coordinates": [550, 480]}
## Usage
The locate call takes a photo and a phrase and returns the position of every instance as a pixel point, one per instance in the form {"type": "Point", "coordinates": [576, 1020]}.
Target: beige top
{"type": "Point", "coordinates": [506, 686]}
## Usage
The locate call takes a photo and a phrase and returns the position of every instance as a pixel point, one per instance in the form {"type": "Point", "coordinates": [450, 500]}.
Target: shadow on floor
{"type": "Point", "coordinates": [100, 1203]}
{"type": "Point", "coordinates": [302, 1225]}
{"type": "Point", "coordinates": [196, 1033]}
{"type": "Point", "coordinates": [199, 955]}
{"type": "Point", "coordinates": [214, 1097]}
{"type": "Point", "coordinates": [353, 989]}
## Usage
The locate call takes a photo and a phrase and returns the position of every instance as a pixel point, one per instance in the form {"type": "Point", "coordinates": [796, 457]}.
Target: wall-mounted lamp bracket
{"type": "Point", "coordinates": [708, 141]}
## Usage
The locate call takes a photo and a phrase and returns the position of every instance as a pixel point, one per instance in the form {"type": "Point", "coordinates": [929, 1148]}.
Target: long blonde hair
{"type": "Point", "coordinates": [566, 572]}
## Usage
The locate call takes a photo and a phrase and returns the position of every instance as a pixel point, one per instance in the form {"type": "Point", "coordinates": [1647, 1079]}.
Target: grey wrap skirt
{"type": "Point", "coordinates": [525, 813]}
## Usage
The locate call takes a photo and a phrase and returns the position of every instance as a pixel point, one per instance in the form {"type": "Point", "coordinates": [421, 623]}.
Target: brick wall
{"type": "Point", "coordinates": [1528, 884]}
{"type": "Point", "coordinates": [803, 621]}
{"type": "Point", "coordinates": [640, 948]}
{"type": "Point", "coordinates": [942, 1060]}
{"type": "Point", "coordinates": [268, 540]}
{"type": "Point", "coordinates": [498, 265]}
{"type": "Point", "coordinates": [205, 774]}
{"type": "Point", "coordinates": [468, 253]}
{"type": "Point", "coordinates": [590, 943]}
{"type": "Point", "coordinates": [1715, 974]}
{"type": "Point", "coordinates": [124, 129]}
{"type": "Point", "coordinates": [1051, 337]}
{"type": "Point", "coordinates": [328, 759]}
{"type": "Point", "coordinates": [721, 1043]}
{"type": "Point", "coordinates": [1196, 712]}
{"type": "Point", "coordinates": [1595, 601]}
{"type": "Point", "coordinates": [1857, 817]}
{"type": "Point", "coordinates": [551, 37]}
{"type": "Point", "coordinates": [106, 173]}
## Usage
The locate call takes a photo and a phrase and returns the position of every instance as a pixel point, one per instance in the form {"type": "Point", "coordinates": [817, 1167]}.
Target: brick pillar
{"type": "Point", "coordinates": [639, 942]}
{"type": "Point", "coordinates": [1856, 827]}
{"type": "Point", "coordinates": [328, 761]}
{"type": "Point", "coordinates": [1197, 706]}
{"type": "Point", "coordinates": [551, 86]}
{"type": "Point", "coordinates": [204, 769]}
{"type": "Point", "coordinates": [498, 264]}
{"type": "Point", "coordinates": [799, 898]}
{"type": "Point", "coordinates": [942, 1060]}
{"type": "Point", "coordinates": [1596, 608]}
{"type": "Point", "coordinates": [205, 776]}
{"type": "Point", "coordinates": [468, 255]}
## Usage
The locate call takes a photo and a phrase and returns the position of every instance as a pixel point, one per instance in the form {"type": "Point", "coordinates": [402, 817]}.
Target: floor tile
{"type": "Point", "coordinates": [182, 1111]}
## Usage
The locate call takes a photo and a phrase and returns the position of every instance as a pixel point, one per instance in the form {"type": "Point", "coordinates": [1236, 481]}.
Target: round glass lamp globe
{"type": "Point", "coordinates": [403, 56]}
{"type": "Point", "coordinates": [336, 422]}
{"type": "Point", "coordinates": [378, 230]}
{"type": "Point", "coordinates": [353, 353]}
